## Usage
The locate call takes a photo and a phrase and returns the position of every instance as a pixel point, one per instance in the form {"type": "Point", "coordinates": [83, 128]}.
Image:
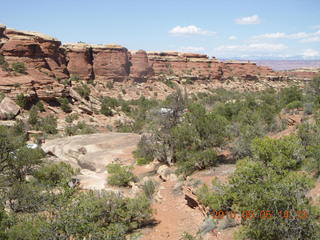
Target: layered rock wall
{"type": "Point", "coordinates": [48, 61]}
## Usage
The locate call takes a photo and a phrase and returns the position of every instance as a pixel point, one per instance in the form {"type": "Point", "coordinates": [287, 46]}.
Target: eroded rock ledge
{"type": "Point", "coordinates": [48, 61]}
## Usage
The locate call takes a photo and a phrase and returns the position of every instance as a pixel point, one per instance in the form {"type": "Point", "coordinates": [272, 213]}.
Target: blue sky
{"type": "Point", "coordinates": [229, 28]}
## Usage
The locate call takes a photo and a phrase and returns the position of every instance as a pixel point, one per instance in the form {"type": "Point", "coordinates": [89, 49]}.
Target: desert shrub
{"type": "Point", "coordinates": [74, 78]}
{"type": "Point", "coordinates": [19, 67]}
{"type": "Point", "coordinates": [145, 152]}
{"type": "Point", "coordinates": [294, 105]}
{"type": "Point", "coordinates": [28, 198]}
{"type": "Point", "coordinates": [4, 65]}
{"type": "Point", "coordinates": [64, 104]}
{"type": "Point", "coordinates": [22, 101]}
{"type": "Point", "coordinates": [83, 90]}
{"type": "Point", "coordinates": [54, 174]}
{"type": "Point", "coordinates": [33, 115]}
{"type": "Point", "coordinates": [2, 60]}
{"type": "Point", "coordinates": [48, 124]}
{"type": "Point", "coordinates": [149, 188]}
{"type": "Point", "coordinates": [71, 118]}
{"type": "Point", "coordinates": [40, 106]}
{"type": "Point", "coordinates": [88, 215]}
{"type": "Point", "coordinates": [2, 96]}
{"type": "Point", "coordinates": [288, 95]}
{"type": "Point", "coordinates": [119, 175]}
{"type": "Point", "coordinates": [268, 180]}
{"type": "Point", "coordinates": [107, 104]}
{"type": "Point", "coordinates": [104, 215]}
{"type": "Point", "coordinates": [124, 92]}
{"type": "Point", "coordinates": [188, 236]}
{"type": "Point", "coordinates": [169, 83]}
{"type": "Point", "coordinates": [308, 108]}
{"type": "Point", "coordinates": [125, 107]}
{"type": "Point", "coordinates": [109, 85]}
{"type": "Point", "coordinates": [78, 129]}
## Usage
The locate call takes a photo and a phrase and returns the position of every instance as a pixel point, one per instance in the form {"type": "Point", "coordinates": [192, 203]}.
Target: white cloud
{"type": "Point", "coordinates": [315, 27]}
{"type": "Point", "coordinates": [279, 35]}
{"type": "Point", "coordinates": [309, 53]}
{"type": "Point", "coordinates": [192, 49]}
{"type": "Point", "coordinates": [232, 38]}
{"type": "Point", "coordinates": [270, 35]}
{"type": "Point", "coordinates": [305, 37]}
{"type": "Point", "coordinates": [189, 30]}
{"type": "Point", "coordinates": [311, 39]}
{"type": "Point", "coordinates": [254, 19]}
{"type": "Point", "coordinates": [253, 47]}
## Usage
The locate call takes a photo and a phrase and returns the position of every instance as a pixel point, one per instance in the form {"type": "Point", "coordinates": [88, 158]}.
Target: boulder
{"type": "Point", "coordinates": [8, 109]}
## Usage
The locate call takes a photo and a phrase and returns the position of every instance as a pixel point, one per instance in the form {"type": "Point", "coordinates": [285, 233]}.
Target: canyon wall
{"type": "Point", "coordinates": [48, 62]}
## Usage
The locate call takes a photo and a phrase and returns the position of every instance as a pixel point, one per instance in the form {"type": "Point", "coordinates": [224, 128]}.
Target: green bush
{"type": "Point", "coordinates": [2, 60]}
{"type": "Point", "coordinates": [74, 78]}
{"type": "Point", "coordinates": [149, 188]}
{"type": "Point", "coordinates": [40, 106]}
{"type": "Point", "coordinates": [33, 115]}
{"type": "Point", "coordinates": [169, 83]}
{"type": "Point", "coordinates": [107, 104]}
{"type": "Point", "coordinates": [2, 96]}
{"type": "Point", "coordinates": [78, 129]}
{"type": "Point", "coordinates": [54, 174]}
{"type": "Point", "coordinates": [268, 181]}
{"type": "Point", "coordinates": [294, 105]}
{"type": "Point", "coordinates": [119, 175]}
{"type": "Point", "coordinates": [72, 117]}
{"type": "Point", "coordinates": [109, 85]}
{"type": "Point", "coordinates": [145, 151]}
{"type": "Point", "coordinates": [83, 90]}
{"type": "Point", "coordinates": [19, 67]}
{"type": "Point", "coordinates": [48, 124]}
{"type": "Point", "coordinates": [4, 65]}
{"type": "Point", "coordinates": [22, 101]}
{"type": "Point", "coordinates": [64, 104]}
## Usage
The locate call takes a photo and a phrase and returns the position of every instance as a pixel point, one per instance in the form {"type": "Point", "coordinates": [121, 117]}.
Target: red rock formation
{"type": "Point", "coordinates": [110, 62]}
{"type": "Point", "coordinates": [35, 50]}
{"type": "Point", "coordinates": [44, 63]}
{"type": "Point", "coordinates": [190, 65]}
{"type": "Point", "coordinates": [140, 69]}
{"type": "Point", "coordinates": [245, 70]}
{"type": "Point", "coordinates": [47, 60]}
{"type": "Point", "coordinates": [79, 60]}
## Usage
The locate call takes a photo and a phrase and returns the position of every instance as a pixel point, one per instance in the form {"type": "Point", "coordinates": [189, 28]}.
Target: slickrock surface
{"type": "Point", "coordinates": [92, 153]}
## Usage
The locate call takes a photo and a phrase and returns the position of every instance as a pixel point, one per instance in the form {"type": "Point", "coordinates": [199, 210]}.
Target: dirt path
{"type": "Point", "coordinates": [293, 122]}
{"type": "Point", "coordinates": [173, 216]}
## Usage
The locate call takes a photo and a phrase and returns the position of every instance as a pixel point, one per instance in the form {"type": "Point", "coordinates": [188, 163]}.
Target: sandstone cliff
{"type": "Point", "coordinates": [48, 62]}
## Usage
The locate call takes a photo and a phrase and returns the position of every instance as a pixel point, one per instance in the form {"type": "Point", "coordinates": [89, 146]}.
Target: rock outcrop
{"type": "Point", "coordinates": [47, 62]}
{"type": "Point", "coordinates": [110, 62]}
{"type": "Point", "coordinates": [79, 60]}
{"type": "Point", "coordinates": [44, 61]}
{"type": "Point", "coordinates": [140, 69]}
{"type": "Point", "coordinates": [8, 109]}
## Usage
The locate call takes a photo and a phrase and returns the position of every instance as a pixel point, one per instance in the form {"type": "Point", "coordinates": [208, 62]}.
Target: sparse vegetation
{"type": "Point", "coordinates": [69, 213]}
{"type": "Point", "coordinates": [83, 90]}
{"type": "Point", "coordinates": [22, 101]}
{"type": "Point", "coordinates": [109, 85]}
{"type": "Point", "coordinates": [119, 175]}
{"type": "Point", "coordinates": [64, 104]}
{"type": "Point", "coordinates": [78, 129]}
{"type": "Point", "coordinates": [19, 67]}
{"type": "Point", "coordinates": [72, 117]}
